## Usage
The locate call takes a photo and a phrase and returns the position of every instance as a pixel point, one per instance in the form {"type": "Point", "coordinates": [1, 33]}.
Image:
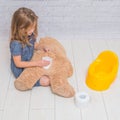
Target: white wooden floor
{"type": "Point", "coordinates": [41, 104]}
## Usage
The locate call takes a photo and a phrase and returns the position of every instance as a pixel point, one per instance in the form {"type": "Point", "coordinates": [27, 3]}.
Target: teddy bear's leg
{"type": "Point", "coordinates": [69, 68]}
{"type": "Point", "coordinates": [28, 78]}
{"type": "Point", "coordinates": [61, 87]}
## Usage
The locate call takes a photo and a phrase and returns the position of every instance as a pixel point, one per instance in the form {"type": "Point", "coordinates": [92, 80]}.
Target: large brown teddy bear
{"type": "Point", "coordinates": [58, 72]}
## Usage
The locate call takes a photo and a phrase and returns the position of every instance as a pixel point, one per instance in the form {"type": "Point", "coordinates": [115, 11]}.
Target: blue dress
{"type": "Point", "coordinates": [26, 53]}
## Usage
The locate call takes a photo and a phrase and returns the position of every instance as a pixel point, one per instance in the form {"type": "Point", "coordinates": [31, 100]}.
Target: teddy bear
{"type": "Point", "coordinates": [58, 72]}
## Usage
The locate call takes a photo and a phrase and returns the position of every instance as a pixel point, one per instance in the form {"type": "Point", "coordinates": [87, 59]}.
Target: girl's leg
{"type": "Point", "coordinates": [17, 71]}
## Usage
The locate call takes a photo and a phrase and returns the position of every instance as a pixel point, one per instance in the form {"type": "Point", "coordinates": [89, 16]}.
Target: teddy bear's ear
{"type": "Point", "coordinates": [44, 40]}
{"type": "Point", "coordinates": [41, 39]}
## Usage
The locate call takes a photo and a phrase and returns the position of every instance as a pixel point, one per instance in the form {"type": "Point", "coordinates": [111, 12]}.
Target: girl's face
{"type": "Point", "coordinates": [30, 30]}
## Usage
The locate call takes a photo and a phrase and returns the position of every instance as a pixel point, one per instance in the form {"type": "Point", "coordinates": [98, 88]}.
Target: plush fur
{"type": "Point", "coordinates": [58, 72]}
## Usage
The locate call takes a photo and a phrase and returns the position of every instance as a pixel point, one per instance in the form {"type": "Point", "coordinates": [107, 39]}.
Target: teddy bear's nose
{"type": "Point", "coordinates": [46, 49]}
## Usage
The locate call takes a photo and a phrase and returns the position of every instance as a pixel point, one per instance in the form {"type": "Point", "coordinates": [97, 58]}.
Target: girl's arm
{"type": "Point", "coordinates": [24, 64]}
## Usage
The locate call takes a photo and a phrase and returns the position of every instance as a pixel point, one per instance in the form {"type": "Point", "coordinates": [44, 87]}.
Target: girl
{"type": "Point", "coordinates": [23, 42]}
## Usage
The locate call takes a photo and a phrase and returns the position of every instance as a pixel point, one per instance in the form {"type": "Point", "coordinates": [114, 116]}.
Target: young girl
{"type": "Point", "coordinates": [23, 42]}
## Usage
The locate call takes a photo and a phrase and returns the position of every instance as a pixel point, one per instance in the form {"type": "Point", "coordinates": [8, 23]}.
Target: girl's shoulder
{"type": "Point", "coordinates": [15, 47]}
{"type": "Point", "coordinates": [15, 43]}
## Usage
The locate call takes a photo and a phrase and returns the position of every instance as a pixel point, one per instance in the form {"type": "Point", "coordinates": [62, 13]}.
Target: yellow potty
{"type": "Point", "coordinates": [103, 71]}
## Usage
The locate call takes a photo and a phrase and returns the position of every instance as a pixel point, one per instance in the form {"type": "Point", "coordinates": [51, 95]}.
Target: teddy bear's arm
{"type": "Point", "coordinates": [64, 66]}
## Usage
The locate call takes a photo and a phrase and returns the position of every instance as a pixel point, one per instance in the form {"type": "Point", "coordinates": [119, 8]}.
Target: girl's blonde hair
{"type": "Point", "coordinates": [22, 19]}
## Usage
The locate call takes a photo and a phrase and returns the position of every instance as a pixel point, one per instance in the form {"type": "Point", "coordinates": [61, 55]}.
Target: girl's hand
{"type": "Point", "coordinates": [42, 63]}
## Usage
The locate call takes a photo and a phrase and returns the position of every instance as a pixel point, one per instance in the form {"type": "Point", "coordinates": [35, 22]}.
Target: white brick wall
{"type": "Point", "coordinates": [68, 17]}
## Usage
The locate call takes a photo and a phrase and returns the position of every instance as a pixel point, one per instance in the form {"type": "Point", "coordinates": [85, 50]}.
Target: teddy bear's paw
{"type": "Point", "coordinates": [69, 92]}
{"type": "Point", "coordinates": [20, 86]}
{"type": "Point", "coordinates": [65, 91]}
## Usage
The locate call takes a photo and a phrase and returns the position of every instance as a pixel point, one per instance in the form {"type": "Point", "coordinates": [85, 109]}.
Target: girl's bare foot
{"type": "Point", "coordinates": [44, 81]}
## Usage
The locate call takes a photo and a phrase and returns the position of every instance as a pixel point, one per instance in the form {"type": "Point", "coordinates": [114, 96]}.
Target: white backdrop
{"type": "Point", "coordinates": [84, 18]}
